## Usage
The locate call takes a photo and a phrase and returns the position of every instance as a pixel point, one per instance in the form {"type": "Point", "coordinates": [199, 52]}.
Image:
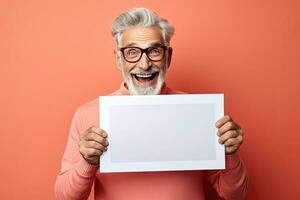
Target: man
{"type": "Point", "coordinates": [143, 55]}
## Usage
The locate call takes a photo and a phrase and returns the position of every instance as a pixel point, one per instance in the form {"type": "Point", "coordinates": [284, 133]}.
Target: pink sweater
{"type": "Point", "coordinates": [76, 177]}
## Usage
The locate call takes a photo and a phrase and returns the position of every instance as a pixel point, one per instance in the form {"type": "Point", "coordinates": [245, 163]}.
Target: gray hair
{"type": "Point", "coordinates": [141, 17]}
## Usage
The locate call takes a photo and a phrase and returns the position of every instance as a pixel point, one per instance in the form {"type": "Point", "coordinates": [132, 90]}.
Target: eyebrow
{"type": "Point", "coordinates": [133, 44]}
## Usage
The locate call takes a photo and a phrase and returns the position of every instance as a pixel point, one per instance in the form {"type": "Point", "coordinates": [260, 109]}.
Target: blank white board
{"type": "Point", "coordinates": [161, 132]}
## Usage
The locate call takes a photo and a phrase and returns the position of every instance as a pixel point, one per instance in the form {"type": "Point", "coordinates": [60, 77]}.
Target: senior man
{"type": "Point", "coordinates": [143, 55]}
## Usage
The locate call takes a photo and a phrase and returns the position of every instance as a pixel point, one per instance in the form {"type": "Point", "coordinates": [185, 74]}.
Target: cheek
{"type": "Point", "coordinates": [160, 65]}
{"type": "Point", "coordinates": [127, 67]}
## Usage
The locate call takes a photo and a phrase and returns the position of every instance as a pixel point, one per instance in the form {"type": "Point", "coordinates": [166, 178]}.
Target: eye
{"type": "Point", "coordinates": [132, 52]}
{"type": "Point", "coordinates": [155, 51]}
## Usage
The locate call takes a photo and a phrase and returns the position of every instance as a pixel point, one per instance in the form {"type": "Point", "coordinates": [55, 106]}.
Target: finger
{"type": "Point", "coordinates": [234, 141]}
{"type": "Point", "coordinates": [231, 149]}
{"type": "Point", "coordinates": [95, 137]}
{"type": "Point", "coordinates": [90, 152]}
{"type": "Point", "coordinates": [93, 144]}
{"type": "Point", "coordinates": [240, 131]}
{"type": "Point", "coordinates": [230, 142]}
{"type": "Point", "coordinates": [222, 121]}
{"type": "Point", "coordinates": [98, 131]}
{"type": "Point", "coordinates": [94, 160]}
{"type": "Point", "coordinates": [229, 134]}
{"type": "Point", "coordinates": [230, 125]}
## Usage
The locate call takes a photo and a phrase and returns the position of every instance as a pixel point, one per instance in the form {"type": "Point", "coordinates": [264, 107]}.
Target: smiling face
{"type": "Point", "coordinates": [144, 77]}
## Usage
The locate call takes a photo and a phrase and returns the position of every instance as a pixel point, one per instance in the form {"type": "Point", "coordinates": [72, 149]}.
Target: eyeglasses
{"type": "Point", "coordinates": [134, 54]}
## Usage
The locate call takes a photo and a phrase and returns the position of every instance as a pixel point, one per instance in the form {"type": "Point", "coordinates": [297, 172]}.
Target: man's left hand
{"type": "Point", "coordinates": [230, 134]}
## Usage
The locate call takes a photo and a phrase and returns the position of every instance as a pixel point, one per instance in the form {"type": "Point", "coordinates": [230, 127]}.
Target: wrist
{"type": "Point", "coordinates": [87, 169]}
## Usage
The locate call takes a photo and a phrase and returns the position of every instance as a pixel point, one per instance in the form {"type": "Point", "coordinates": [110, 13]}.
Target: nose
{"type": "Point", "coordinates": [144, 62]}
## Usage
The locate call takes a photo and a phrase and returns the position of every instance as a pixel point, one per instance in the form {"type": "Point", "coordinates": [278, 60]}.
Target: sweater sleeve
{"type": "Point", "coordinates": [232, 182]}
{"type": "Point", "coordinates": [76, 177]}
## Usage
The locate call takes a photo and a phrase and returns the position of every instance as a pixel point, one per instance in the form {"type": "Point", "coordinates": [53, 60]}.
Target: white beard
{"type": "Point", "coordinates": [151, 90]}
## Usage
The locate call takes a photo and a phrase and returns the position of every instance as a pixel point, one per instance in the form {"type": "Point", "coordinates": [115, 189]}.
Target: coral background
{"type": "Point", "coordinates": [58, 54]}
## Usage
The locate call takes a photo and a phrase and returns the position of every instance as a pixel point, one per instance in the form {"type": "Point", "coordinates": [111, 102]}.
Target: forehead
{"type": "Point", "coordinates": [141, 36]}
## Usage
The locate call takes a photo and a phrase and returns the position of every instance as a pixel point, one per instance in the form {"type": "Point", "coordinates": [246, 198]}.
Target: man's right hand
{"type": "Point", "coordinates": [92, 144]}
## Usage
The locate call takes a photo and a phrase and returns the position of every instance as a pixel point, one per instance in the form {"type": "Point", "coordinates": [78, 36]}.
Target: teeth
{"type": "Point", "coordinates": [143, 75]}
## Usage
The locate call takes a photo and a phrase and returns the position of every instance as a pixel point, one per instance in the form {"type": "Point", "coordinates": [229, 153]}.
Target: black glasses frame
{"type": "Point", "coordinates": [144, 51]}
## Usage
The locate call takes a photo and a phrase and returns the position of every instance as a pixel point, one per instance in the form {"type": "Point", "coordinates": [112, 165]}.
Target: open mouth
{"type": "Point", "coordinates": [144, 78]}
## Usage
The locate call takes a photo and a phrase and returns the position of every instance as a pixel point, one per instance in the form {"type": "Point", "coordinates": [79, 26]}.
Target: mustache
{"type": "Point", "coordinates": [151, 70]}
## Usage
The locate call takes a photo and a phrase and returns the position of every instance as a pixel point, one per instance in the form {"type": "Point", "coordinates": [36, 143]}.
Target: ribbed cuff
{"type": "Point", "coordinates": [86, 169]}
{"type": "Point", "coordinates": [232, 161]}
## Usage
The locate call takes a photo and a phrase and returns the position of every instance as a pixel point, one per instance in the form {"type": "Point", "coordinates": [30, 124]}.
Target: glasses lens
{"type": "Point", "coordinates": [156, 53]}
{"type": "Point", "coordinates": [132, 54]}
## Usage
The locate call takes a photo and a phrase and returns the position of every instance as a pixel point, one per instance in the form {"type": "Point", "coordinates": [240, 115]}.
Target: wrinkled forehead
{"type": "Point", "coordinates": [141, 37]}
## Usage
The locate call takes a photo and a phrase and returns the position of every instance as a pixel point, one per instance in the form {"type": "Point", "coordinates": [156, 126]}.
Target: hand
{"type": "Point", "coordinates": [92, 144]}
{"type": "Point", "coordinates": [230, 134]}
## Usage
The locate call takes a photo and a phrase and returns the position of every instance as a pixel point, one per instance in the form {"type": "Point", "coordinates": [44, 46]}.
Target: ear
{"type": "Point", "coordinates": [117, 59]}
{"type": "Point", "coordinates": [170, 51]}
